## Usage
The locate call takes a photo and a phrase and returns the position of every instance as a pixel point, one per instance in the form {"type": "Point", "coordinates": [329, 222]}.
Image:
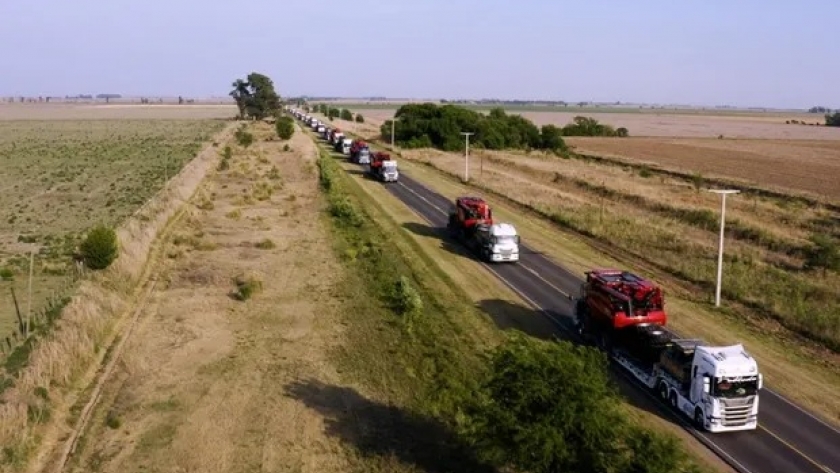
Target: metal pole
{"type": "Point", "coordinates": [29, 297]}
{"type": "Point", "coordinates": [467, 156]}
{"type": "Point", "coordinates": [720, 249]}
{"type": "Point", "coordinates": [720, 242]}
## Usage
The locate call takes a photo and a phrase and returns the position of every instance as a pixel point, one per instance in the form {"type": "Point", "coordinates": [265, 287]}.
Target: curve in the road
{"type": "Point", "coordinates": [789, 439]}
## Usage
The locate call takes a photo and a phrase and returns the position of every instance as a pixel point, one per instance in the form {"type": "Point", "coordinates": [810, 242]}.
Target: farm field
{"type": "Point", "coordinates": [798, 166]}
{"type": "Point", "coordinates": [671, 226]}
{"type": "Point", "coordinates": [72, 111]}
{"type": "Point", "coordinates": [63, 176]}
{"type": "Point", "coordinates": [767, 152]}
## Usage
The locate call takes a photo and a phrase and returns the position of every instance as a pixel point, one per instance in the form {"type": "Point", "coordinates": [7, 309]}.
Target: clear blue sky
{"type": "Point", "coordinates": [780, 53]}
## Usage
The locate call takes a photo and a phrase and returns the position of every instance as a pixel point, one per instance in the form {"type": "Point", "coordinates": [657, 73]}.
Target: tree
{"type": "Point", "coordinates": [552, 138]}
{"type": "Point", "coordinates": [832, 120]}
{"type": "Point", "coordinates": [240, 94]}
{"type": "Point", "coordinates": [824, 253]}
{"type": "Point", "coordinates": [99, 248]}
{"type": "Point", "coordinates": [360, 118]}
{"type": "Point", "coordinates": [285, 127]}
{"type": "Point", "coordinates": [346, 115]}
{"type": "Point", "coordinates": [622, 132]}
{"type": "Point", "coordinates": [548, 407]}
{"type": "Point", "coordinates": [333, 113]}
{"type": "Point", "coordinates": [255, 97]}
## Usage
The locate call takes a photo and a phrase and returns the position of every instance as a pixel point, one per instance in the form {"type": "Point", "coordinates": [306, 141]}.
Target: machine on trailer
{"type": "Point", "coordinates": [624, 315]}
{"type": "Point", "coordinates": [471, 222]}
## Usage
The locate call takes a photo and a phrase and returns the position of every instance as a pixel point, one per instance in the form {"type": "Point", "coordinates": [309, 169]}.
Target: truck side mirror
{"type": "Point", "coordinates": [707, 385]}
{"type": "Point", "coordinates": [760, 381]}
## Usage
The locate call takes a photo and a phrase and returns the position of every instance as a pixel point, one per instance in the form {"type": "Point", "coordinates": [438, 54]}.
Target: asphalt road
{"type": "Point", "coordinates": [788, 440]}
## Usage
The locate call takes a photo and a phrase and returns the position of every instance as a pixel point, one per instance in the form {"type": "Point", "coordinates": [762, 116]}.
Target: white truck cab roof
{"type": "Point", "coordinates": [502, 229]}
{"type": "Point", "coordinates": [347, 141]}
{"type": "Point", "coordinates": [728, 361]}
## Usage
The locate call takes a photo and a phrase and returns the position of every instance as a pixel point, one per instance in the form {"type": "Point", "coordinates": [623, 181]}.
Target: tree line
{"type": "Point", "coordinates": [429, 125]}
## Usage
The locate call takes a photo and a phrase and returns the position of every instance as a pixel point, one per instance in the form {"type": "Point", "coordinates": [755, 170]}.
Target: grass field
{"type": "Point", "coordinates": [63, 175]}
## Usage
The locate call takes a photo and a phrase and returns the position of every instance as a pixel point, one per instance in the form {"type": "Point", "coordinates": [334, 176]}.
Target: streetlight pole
{"type": "Point", "coordinates": [723, 193]}
{"type": "Point", "coordinates": [467, 155]}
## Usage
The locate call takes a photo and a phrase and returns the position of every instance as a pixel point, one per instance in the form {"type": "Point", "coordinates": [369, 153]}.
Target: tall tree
{"type": "Point", "coordinates": [240, 94]}
{"type": "Point", "coordinates": [255, 97]}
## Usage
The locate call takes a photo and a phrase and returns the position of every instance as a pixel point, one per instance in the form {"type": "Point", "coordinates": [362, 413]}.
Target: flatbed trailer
{"type": "Point", "coordinates": [716, 387]}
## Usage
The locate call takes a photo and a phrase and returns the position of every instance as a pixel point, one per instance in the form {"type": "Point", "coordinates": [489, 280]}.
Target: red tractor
{"type": "Point", "coordinates": [613, 300]}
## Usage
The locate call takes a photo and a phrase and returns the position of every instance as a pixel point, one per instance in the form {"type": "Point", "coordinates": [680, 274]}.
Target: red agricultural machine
{"type": "Point", "coordinates": [383, 168]}
{"type": "Point", "coordinates": [359, 152]}
{"type": "Point", "coordinates": [613, 300]}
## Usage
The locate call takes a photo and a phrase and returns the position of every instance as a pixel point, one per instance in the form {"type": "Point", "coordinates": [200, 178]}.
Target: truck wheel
{"type": "Point", "coordinates": [663, 391]}
{"type": "Point", "coordinates": [698, 418]}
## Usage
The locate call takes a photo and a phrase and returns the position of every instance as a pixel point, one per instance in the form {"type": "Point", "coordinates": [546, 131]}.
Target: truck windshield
{"type": "Point", "coordinates": [507, 240]}
{"type": "Point", "coordinates": [727, 388]}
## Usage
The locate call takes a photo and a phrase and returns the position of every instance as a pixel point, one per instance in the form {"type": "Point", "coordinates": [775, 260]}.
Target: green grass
{"type": "Point", "coordinates": [62, 177]}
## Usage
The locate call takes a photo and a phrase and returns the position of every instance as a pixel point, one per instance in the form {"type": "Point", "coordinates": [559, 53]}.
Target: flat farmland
{"type": "Point", "coordinates": [758, 148]}
{"type": "Point", "coordinates": [811, 166]}
{"type": "Point", "coordinates": [63, 175]}
{"type": "Point", "coordinates": [72, 111]}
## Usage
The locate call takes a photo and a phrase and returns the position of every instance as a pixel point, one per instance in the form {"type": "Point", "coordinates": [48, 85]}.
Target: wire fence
{"type": "Point", "coordinates": [44, 310]}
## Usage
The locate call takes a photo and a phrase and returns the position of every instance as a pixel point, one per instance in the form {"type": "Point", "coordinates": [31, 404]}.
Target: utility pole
{"type": "Point", "coordinates": [723, 193]}
{"type": "Point", "coordinates": [467, 155]}
{"type": "Point", "coordinates": [29, 297]}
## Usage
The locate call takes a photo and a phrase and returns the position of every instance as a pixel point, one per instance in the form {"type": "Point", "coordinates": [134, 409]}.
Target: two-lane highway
{"type": "Point", "coordinates": [788, 439]}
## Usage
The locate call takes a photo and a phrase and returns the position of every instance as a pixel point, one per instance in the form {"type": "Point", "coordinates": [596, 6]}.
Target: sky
{"type": "Point", "coordinates": [763, 53]}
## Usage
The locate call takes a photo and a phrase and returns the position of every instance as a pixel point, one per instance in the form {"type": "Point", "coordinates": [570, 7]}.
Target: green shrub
{"type": "Point", "coordinates": [407, 299]}
{"type": "Point", "coordinates": [243, 137]}
{"type": "Point", "coordinates": [360, 118]}
{"type": "Point", "coordinates": [6, 274]}
{"type": "Point", "coordinates": [285, 127]}
{"type": "Point", "coordinates": [246, 286]}
{"type": "Point", "coordinates": [99, 248]}
{"type": "Point", "coordinates": [346, 115]}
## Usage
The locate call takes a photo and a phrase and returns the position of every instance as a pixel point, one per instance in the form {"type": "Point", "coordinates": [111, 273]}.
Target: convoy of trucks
{"type": "Point", "coordinates": [621, 313]}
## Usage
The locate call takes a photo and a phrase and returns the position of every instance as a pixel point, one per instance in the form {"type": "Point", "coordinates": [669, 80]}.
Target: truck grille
{"type": "Point", "coordinates": [736, 411]}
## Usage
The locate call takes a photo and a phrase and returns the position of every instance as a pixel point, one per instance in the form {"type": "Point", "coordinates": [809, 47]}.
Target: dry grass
{"type": "Point", "coordinates": [800, 369]}
{"type": "Point", "coordinates": [36, 111]}
{"type": "Point", "coordinates": [203, 386]}
{"type": "Point", "coordinates": [60, 360]}
{"type": "Point", "coordinates": [62, 177]}
{"type": "Point", "coordinates": [794, 165]}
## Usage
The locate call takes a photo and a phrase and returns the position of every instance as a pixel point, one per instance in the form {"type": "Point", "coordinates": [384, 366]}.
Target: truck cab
{"type": "Point", "coordinates": [364, 155]}
{"type": "Point", "coordinates": [389, 171]}
{"type": "Point", "coordinates": [499, 242]}
{"type": "Point", "coordinates": [716, 386]}
{"type": "Point", "coordinates": [345, 145]}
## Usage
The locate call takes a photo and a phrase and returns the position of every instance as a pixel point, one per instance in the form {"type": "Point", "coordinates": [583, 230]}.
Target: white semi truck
{"type": "Point", "coordinates": [717, 387]}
